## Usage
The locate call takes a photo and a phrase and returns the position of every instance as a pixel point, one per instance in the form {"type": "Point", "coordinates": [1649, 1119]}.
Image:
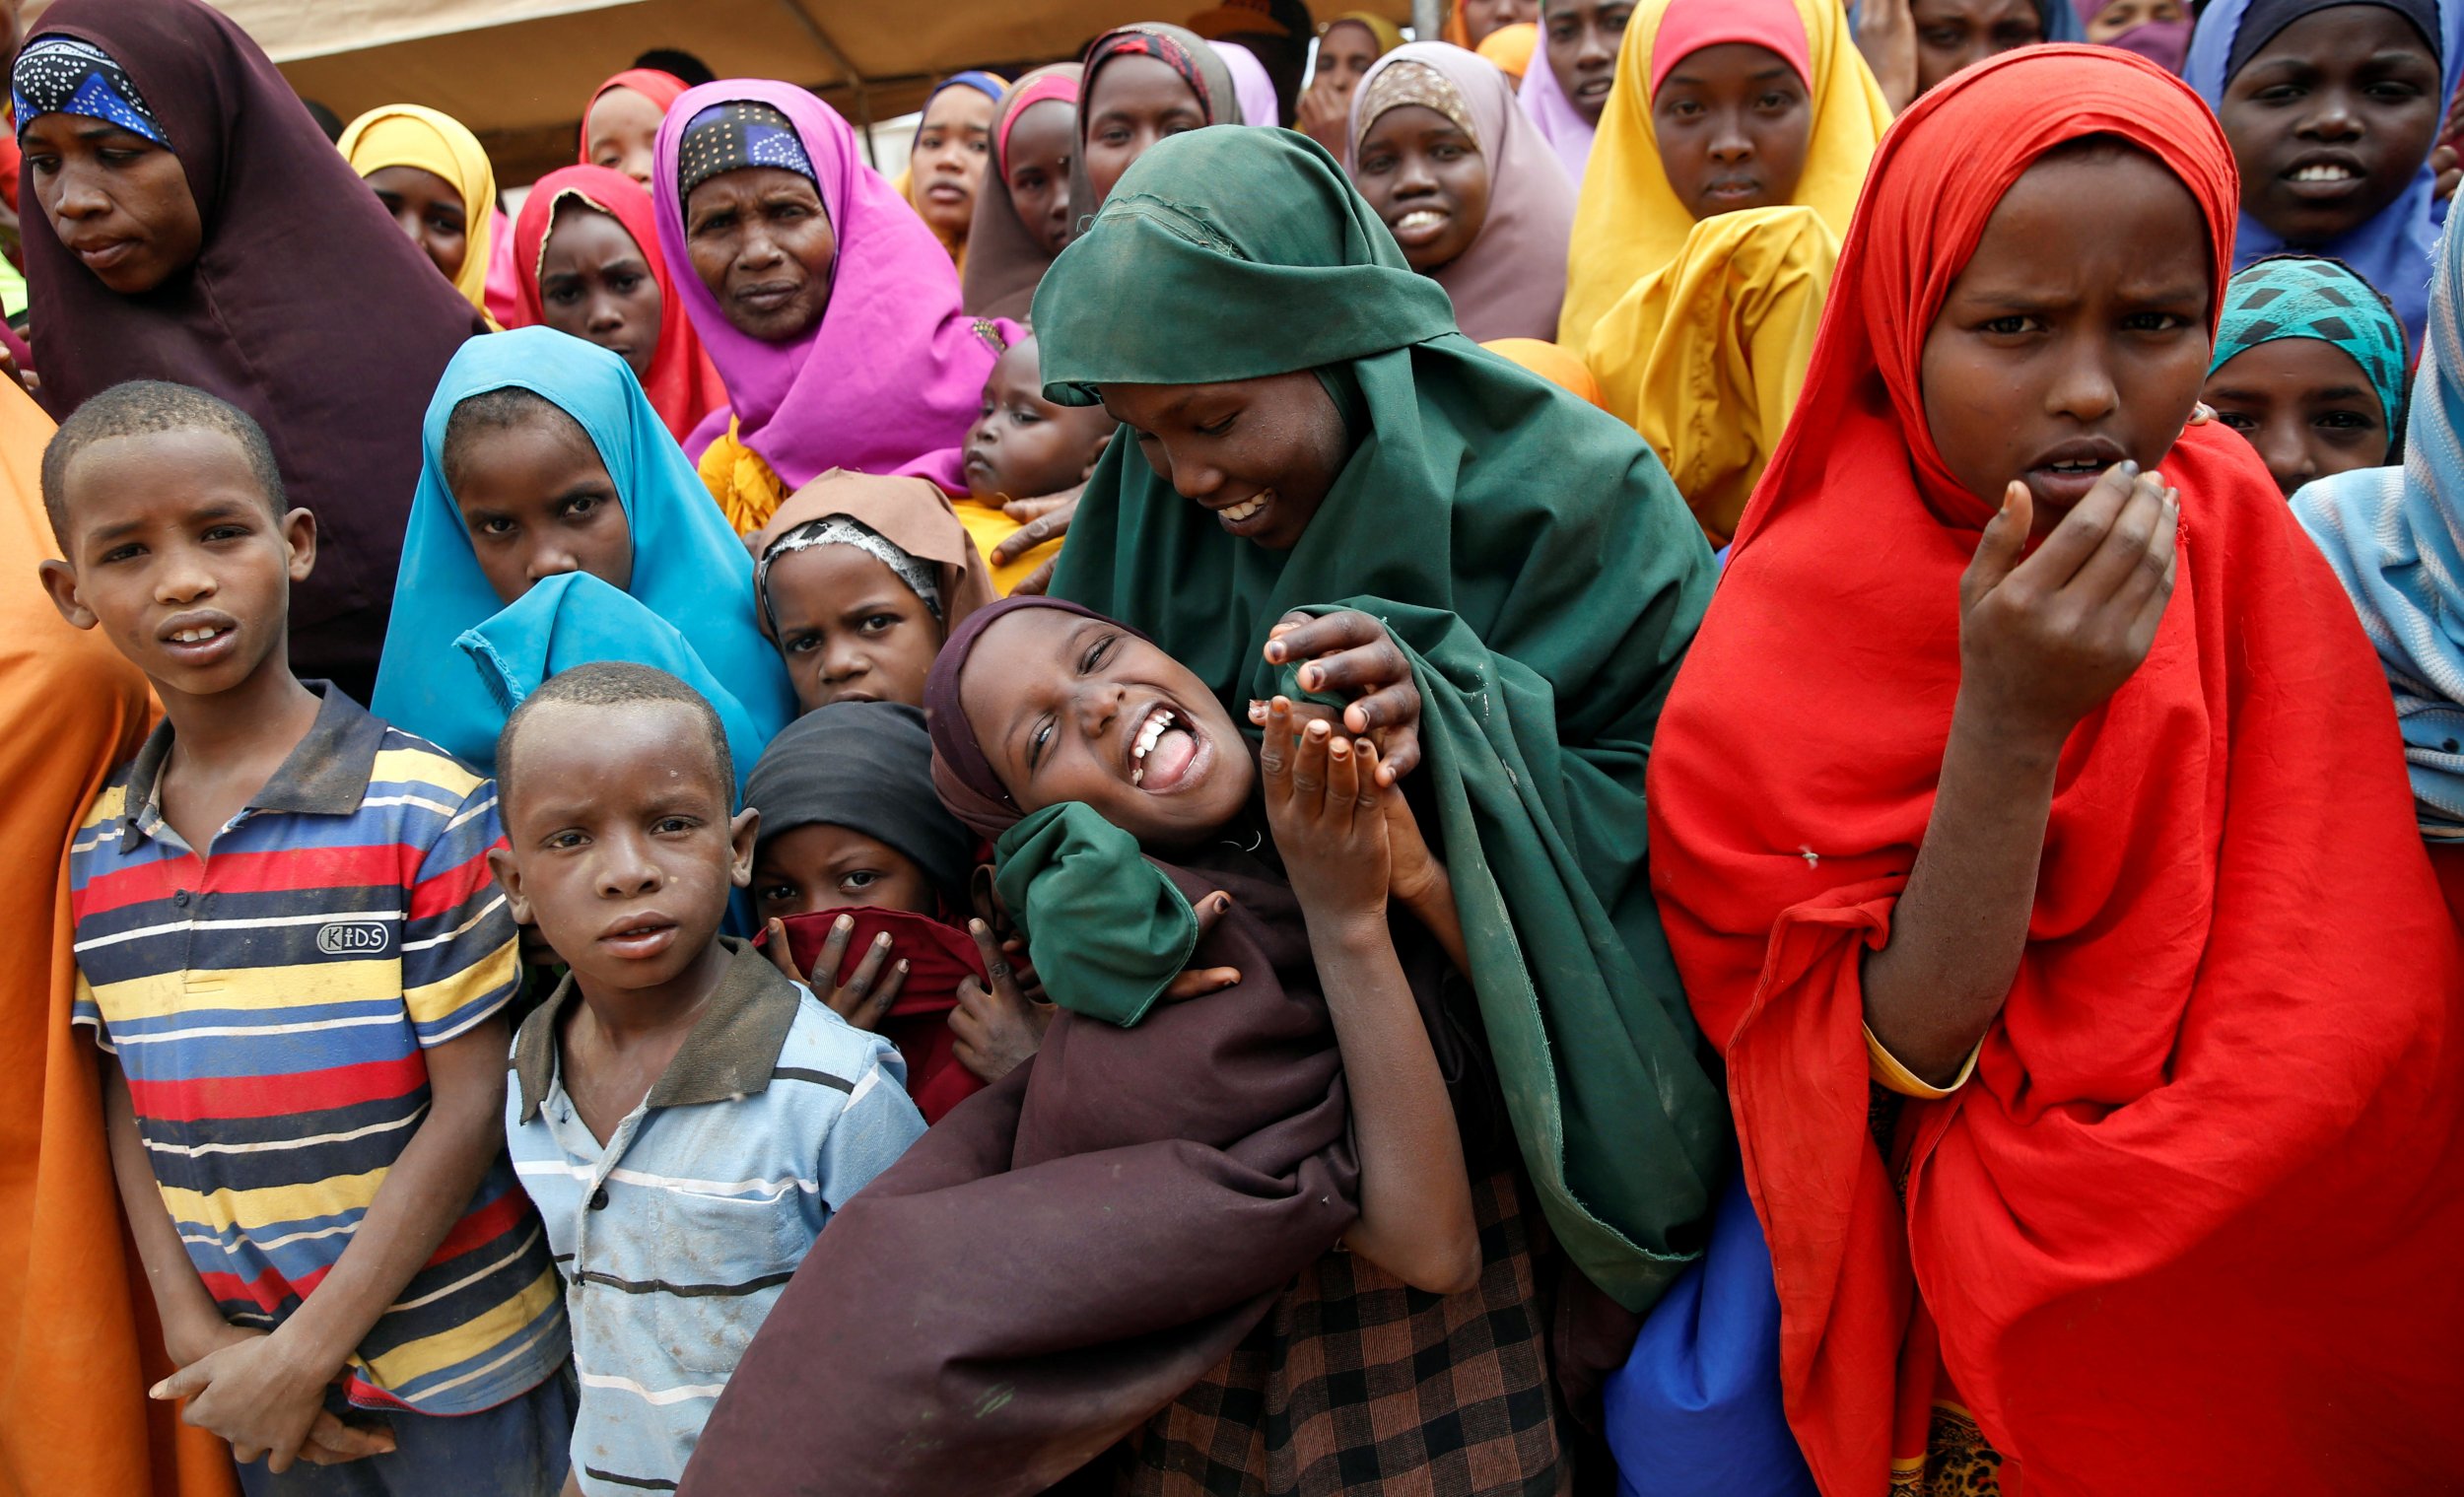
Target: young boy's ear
{"type": "Point", "coordinates": [743, 834]}
{"type": "Point", "coordinates": [59, 583]}
{"type": "Point", "coordinates": [508, 877]}
{"type": "Point", "coordinates": [299, 531]}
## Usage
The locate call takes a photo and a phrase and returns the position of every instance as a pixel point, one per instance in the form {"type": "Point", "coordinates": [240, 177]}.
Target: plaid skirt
{"type": "Point", "coordinates": [1357, 1383]}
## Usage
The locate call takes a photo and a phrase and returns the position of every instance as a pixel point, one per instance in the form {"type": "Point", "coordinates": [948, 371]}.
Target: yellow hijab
{"type": "Point", "coordinates": [409, 135]}
{"type": "Point", "coordinates": [1629, 222]}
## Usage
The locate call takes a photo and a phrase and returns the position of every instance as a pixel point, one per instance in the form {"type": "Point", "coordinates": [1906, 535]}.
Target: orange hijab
{"type": "Point", "coordinates": [2191, 1225]}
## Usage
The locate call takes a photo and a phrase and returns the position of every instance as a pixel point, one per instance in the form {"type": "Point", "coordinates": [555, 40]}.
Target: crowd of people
{"type": "Point", "coordinates": [1672, 747]}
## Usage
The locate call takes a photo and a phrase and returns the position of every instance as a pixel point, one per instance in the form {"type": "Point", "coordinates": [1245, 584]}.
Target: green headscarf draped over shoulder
{"type": "Point", "coordinates": [1528, 553]}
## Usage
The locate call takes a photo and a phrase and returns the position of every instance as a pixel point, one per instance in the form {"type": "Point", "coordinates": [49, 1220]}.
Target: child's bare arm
{"type": "Point", "coordinates": [1325, 805]}
{"type": "Point", "coordinates": [192, 1323]}
{"type": "Point", "coordinates": [263, 1397]}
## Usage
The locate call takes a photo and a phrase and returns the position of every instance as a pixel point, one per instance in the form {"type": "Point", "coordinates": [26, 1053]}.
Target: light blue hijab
{"type": "Point", "coordinates": [457, 662]}
{"type": "Point", "coordinates": [2395, 249]}
{"type": "Point", "coordinates": [2396, 539]}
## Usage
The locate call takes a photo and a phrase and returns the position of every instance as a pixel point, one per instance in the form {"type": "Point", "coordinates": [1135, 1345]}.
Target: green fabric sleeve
{"type": "Point", "coordinates": [1105, 930]}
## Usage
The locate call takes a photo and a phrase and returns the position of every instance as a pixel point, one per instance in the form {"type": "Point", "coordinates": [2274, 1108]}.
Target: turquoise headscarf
{"type": "Point", "coordinates": [2299, 295]}
{"type": "Point", "coordinates": [2396, 539]}
{"type": "Point", "coordinates": [458, 662]}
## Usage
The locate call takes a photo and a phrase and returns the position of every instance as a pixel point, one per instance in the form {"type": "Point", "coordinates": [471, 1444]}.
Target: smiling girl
{"type": "Point", "coordinates": [1307, 432]}
{"type": "Point", "coordinates": [828, 307]}
{"type": "Point", "coordinates": [203, 227]}
{"type": "Point", "coordinates": [2016, 704]}
{"type": "Point", "coordinates": [557, 522]}
{"type": "Point", "coordinates": [587, 237]}
{"type": "Point", "coordinates": [2332, 107]}
{"type": "Point", "coordinates": [1469, 190]}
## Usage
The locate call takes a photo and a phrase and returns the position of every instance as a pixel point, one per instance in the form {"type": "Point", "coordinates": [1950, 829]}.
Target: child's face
{"type": "Point", "coordinates": [1345, 54]}
{"type": "Point", "coordinates": [2073, 340]}
{"type": "Point", "coordinates": [1069, 707]}
{"type": "Point", "coordinates": [849, 629]}
{"type": "Point", "coordinates": [1582, 37]}
{"type": "Point", "coordinates": [1481, 17]}
{"type": "Point", "coordinates": [1135, 101]}
{"type": "Point", "coordinates": [1023, 446]}
{"type": "Point", "coordinates": [2305, 405]}
{"type": "Point", "coordinates": [951, 147]}
{"type": "Point", "coordinates": [819, 867]}
{"type": "Point", "coordinates": [117, 201]}
{"type": "Point", "coordinates": [2331, 119]}
{"type": "Point", "coordinates": [1259, 454]}
{"type": "Point", "coordinates": [175, 552]}
{"type": "Point", "coordinates": [624, 133]}
{"type": "Point", "coordinates": [428, 209]}
{"type": "Point", "coordinates": [1951, 34]}
{"type": "Point", "coordinates": [539, 502]}
{"type": "Point", "coordinates": [1039, 170]}
{"type": "Point", "coordinates": [761, 241]}
{"type": "Point", "coordinates": [618, 842]}
{"type": "Point", "coordinates": [596, 285]}
{"type": "Point", "coordinates": [1733, 122]}
{"type": "Point", "coordinates": [1427, 179]}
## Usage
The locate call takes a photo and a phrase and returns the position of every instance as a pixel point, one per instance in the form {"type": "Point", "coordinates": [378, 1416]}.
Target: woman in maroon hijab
{"type": "Point", "coordinates": [190, 222]}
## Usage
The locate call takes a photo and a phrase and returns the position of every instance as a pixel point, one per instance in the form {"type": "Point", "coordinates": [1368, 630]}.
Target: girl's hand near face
{"type": "Point", "coordinates": [1325, 113]}
{"type": "Point", "coordinates": [1325, 807]}
{"type": "Point", "coordinates": [999, 1027]}
{"type": "Point", "coordinates": [1049, 522]}
{"type": "Point", "coordinates": [2045, 641]}
{"type": "Point", "coordinates": [1348, 652]}
{"type": "Point", "coordinates": [1885, 34]}
{"type": "Point", "coordinates": [871, 989]}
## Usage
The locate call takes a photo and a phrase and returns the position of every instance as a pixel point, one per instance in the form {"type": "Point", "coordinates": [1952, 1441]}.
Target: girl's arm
{"type": "Point", "coordinates": [1325, 805]}
{"type": "Point", "coordinates": [2043, 642]}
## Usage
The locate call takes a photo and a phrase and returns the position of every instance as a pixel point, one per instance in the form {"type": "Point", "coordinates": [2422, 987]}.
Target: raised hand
{"type": "Point", "coordinates": [1348, 652]}
{"type": "Point", "coordinates": [870, 991]}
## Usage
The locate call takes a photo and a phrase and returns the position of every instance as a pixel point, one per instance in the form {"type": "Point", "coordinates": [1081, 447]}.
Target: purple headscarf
{"type": "Point", "coordinates": [1546, 104]}
{"type": "Point", "coordinates": [893, 376]}
{"type": "Point", "coordinates": [1250, 82]}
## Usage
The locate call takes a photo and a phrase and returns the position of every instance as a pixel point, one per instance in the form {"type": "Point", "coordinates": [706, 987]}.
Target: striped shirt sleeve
{"type": "Point", "coordinates": [459, 958]}
{"type": "Point", "coordinates": [871, 1130]}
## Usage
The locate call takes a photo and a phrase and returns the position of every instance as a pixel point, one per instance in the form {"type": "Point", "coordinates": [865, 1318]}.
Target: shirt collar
{"type": "Point", "coordinates": [325, 774]}
{"type": "Point", "coordinates": [730, 1053]}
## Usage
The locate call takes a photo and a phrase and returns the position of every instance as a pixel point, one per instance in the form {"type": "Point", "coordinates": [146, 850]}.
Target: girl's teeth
{"type": "Point", "coordinates": [1246, 508]}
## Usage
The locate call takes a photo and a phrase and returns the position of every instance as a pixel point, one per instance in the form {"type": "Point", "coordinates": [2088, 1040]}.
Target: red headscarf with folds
{"type": "Point", "coordinates": [683, 386]}
{"type": "Point", "coordinates": [2192, 1224]}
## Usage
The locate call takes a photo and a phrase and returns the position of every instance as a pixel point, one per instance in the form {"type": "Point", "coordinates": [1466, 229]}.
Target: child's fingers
{"type": "Point", "coordinates": [887, 997]}
{"type": "Point", "coordinates": [1198, 982]}
{"type": "Point", "coordinates": [1309, 765]}
{"type": "Point", "coordinates": [1342, 776]}
{"type": "Point", "coordinates": [1372, 790]}
{"type": "Point", "coordinates": [776, 948]}
{"type": "Point", "coordinates": [1002, 979]}
{"type": "Point", "coordinates": [849, 1001]}
{"type": "Point", "coordinates": [1274, 753]}
{"type": "Point", "coordinates": [825, 974]}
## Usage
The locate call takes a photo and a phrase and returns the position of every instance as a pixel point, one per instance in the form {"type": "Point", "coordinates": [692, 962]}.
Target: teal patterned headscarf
{"type": "Point", "coordinates": [2297, 296]}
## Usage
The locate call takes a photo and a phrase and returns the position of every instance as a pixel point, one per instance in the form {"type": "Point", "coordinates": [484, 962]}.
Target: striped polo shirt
{"type": "Point", "coordinates": [270, 1004]}
{"type": "Point", "coordinates": [678, 1234]}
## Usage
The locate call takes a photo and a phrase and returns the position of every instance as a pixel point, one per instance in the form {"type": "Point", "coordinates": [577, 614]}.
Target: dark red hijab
{"type": "Point", "coordinates": [306, 307]}
{"type": "Point", "coordinates": [683, 386]}
{"type": "Point", "coordinates": [2192, 1224]}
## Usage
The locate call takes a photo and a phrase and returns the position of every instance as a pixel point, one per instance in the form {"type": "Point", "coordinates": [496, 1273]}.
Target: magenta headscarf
{"type": "Point", "coordinates": [1546, 104]}
{"type": "Point", "coordinates": [893, 376]}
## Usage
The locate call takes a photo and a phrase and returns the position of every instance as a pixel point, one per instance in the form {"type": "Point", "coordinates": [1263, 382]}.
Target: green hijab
{"type": "Point", "coordinates": [1527, 552]}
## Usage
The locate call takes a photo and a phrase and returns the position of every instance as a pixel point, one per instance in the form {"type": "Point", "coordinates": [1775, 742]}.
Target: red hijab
{"type": "Point", "coordinates": [660, 89]}
{"type": "Point", "coordinates": [683, 384]}
{"type": "Point", "coordinates": [2191, 1225]}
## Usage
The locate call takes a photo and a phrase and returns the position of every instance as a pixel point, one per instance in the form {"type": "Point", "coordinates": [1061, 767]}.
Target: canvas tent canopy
{"type": "Point", "coordinates": [517, 71]}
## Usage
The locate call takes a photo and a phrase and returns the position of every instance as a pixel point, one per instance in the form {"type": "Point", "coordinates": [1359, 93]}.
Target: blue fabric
{"type": "Point", "coordinates": [458, 662]}
{"type": "Point", "coordinates": [1696, 1412]}
{"type": "Point", "coordinates": [60, 75]}
{"type": "Point", "coordinates": [2395, 249]}
{"type": "Point", "coordinates": [520, 1448]}
{"type": "Point", "coordinates": [2396, 539]}
{"type": "Point", "coordinates": [975, 78]}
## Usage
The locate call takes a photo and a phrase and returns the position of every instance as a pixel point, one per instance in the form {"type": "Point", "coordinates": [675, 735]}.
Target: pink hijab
{"type": "Point", "coordinates": [1511, 282]}
{"type": "Point", "coordinates": [1250, 82]}
{"type": "Point", "coordinates": [1546, 104]}
{"type": "Point", "coordinates": [890, 379]}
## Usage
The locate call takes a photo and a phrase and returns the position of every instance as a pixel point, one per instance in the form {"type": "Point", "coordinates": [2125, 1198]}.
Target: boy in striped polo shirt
{"type": "Point", "coordinates": [688, 1118]}
{"type": "Point", "coordinates": [292, 952]}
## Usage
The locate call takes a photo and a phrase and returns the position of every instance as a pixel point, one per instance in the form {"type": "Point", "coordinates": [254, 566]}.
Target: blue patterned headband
{"type": "Point", "coordinates": [2291, 296]}
{"type": "Point", "coordinates": [60, 75]}
{"type": "Point", "coordinates": [728, 137]}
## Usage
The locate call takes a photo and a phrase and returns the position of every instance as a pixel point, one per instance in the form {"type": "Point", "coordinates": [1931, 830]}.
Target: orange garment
{"type": "Point", "coordinates": [78, 1340]}
{"type": "Point", "coordinates": [1511, 48]}
{"type": "Point", "coordinates": [1558, 366]}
